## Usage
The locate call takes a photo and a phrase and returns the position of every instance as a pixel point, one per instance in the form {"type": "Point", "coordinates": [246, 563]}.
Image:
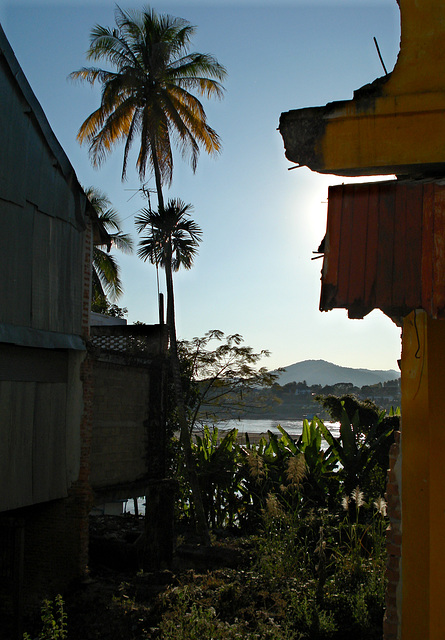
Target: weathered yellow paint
{"type": "Point", "coordinates": [423, 472]}
{"type": "Point", "coordinates": [420, 65]}
{"type": "Point", "coordinates": [396, 124]}
{"type": "Point", "coordinates": [405, 125]}
{"type": "Point", "coordinates": [393, 134]}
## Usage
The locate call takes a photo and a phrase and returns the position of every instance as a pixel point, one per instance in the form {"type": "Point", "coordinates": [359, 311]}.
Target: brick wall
{"type": "Point", "coordinates": [87, 262]}
{"type": "Point", "coordinates": [46, 546]}
{"type": "Point", "coordinates": [126, 439]}
{"type": "Point", "coordinates": [80, 492]}
{"type": "Point", "coordinates": [80, 498]}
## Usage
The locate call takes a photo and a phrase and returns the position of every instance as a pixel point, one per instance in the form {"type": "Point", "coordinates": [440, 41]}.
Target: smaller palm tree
{"type": "Point", "coordinates": [170, 239]}
{"type": "Point", "coordinates": [106, 272]}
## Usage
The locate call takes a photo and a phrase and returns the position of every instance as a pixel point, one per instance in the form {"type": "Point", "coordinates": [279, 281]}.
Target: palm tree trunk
{"type": "Point", "coordinates": [157, 172]}
{"type": "Point", "coordinates": [158, 182]}
{"type": "Point", "coordinates": [185, 436]}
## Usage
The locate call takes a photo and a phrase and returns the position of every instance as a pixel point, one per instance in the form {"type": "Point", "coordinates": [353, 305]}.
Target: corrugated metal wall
{"type": "Point", "coordinates": [41, 242]}
{"type": "Point", "coordinates": [42, 256]}
{"type": "Point", "coordinates": [384, 249]}
{"type": "Point", "coordinates": [33, 447]}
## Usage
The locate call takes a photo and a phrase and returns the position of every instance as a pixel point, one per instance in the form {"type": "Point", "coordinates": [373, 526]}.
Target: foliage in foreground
{"type": "Point", "coordinates": [312, 577]}
{"type": "Point", "coordinates": [319, 576]}
{"type": "Point", "coordinates": [53, 618]}
{"type": "Point", "coordinates": [312, 551]}
{"type": "Point", "coordinates": [317, 570]}
{"type": "Point", "coordinates": [312, 472]}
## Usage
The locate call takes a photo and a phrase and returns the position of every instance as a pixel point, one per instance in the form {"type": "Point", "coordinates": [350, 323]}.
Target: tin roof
{"type": "Point", "coordinates": [384, 249]}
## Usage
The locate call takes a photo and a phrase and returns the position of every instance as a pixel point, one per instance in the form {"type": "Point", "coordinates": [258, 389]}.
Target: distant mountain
{"type": "Point", "coordinates": [327, 373]}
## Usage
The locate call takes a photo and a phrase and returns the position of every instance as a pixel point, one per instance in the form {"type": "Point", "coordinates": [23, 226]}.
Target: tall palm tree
{"type": "Point", "coordinates": [170, 240]}
{"type": "Point", "coordinates": [150, 93]}
{"type": "Point", "coordinates": [106, 271]}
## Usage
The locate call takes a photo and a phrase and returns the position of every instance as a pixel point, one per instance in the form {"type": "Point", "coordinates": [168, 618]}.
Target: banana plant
{"type": "Point", "coordinates": [357, 452]}
{"type": "Point", "coordinates": [218, 469]}
{"type": "Point", "coordinates": [321, 483]}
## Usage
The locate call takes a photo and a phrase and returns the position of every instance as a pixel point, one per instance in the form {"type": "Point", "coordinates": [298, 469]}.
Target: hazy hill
{"type": "Point", "coordinates": [327, 373]}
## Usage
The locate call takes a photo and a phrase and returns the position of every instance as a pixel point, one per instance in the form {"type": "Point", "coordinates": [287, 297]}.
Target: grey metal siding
{"type": "Point", "coordinates": [43, 222]}
{"type": "Point", "coordinates": [33, 438]}
{"type": "Point", "coordinates": [42, 213]}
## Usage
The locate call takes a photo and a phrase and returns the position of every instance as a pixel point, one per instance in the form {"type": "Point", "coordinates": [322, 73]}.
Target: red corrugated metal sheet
{"type": "Point", "coordinates": [385, 249]}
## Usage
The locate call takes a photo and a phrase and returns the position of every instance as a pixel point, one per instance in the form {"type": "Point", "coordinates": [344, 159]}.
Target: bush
{"type": "Point", "coordinates": [53, 617]}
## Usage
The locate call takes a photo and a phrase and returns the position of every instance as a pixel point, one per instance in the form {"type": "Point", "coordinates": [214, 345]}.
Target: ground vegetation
{"type": "Point", "coordinates": [295, 553]}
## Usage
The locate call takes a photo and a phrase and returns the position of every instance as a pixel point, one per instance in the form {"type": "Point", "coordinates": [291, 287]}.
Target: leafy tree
{"type": "Point", "coordinates": [219, 375]}
{"type": "Point", "coordinates": [102, 305]}
{"type": "Point", "coordinates": [368, 411]}
{"type": "Point", "coordinates": [224, 377]}
{"type": "Point", "coordinates": [106, 272]}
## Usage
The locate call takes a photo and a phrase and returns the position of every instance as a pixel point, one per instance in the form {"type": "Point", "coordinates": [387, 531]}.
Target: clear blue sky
{"type": "Point", "coordinates": [254, 273]}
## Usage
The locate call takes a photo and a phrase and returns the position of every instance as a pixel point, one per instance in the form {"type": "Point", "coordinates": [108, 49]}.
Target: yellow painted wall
{"type": "Point", "coordinates": [423, 477]}
{"type": "Point", "coordinates": [421, 63]}
{"type": "Point", "coordinates": [403, 126]}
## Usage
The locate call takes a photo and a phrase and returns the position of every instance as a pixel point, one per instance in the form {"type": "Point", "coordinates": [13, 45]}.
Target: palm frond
{"type": "Point", "coordinates": [92, 75]}
{"type": "Point", "coordinates": [116, 127]}
{"type": "Point", "coordinates": [149, 91]}
{"type": "Point", "coordinates": [171, 228]}
{"type": "Point", "coordinates": [122, 241]}
{"type": "Point", "coordinates": [108, 272]}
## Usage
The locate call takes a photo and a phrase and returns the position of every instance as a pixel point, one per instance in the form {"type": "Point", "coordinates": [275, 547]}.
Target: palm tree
{"type": "Point", "coordinates": [170, 240]}
{"type": "Point", "coordinates": [106, 272]}
{"type": "Point", "coordinates": [149, 94]}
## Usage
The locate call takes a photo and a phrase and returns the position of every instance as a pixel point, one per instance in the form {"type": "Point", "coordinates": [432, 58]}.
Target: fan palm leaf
{"type": "Point", "coordinates": [169, 235]}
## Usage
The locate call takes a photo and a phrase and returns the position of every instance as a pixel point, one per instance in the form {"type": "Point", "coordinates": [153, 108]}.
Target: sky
{"type": "Point", "coordinates": [254, 274]}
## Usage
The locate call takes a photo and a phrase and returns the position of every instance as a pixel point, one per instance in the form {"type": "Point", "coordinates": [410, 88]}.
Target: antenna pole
{"type": "Point", "coordinates": [380, 55]}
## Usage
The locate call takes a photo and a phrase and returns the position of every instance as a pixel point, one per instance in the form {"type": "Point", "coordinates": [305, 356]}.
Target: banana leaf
{"type": "Point", "coordinates": [287, 440]}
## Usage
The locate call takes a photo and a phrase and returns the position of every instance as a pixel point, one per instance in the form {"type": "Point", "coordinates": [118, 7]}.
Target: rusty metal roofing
{"type": "Point", "coordinates": [385, 249]}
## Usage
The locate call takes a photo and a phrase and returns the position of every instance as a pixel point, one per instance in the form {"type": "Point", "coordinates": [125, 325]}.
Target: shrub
{"type": "Point", "coordinates": [53, 617]}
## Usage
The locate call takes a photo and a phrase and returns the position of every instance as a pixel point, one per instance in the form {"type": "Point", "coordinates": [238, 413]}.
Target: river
{"type": "Point", "coordinates": [257, 426]}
